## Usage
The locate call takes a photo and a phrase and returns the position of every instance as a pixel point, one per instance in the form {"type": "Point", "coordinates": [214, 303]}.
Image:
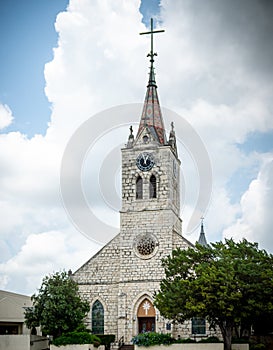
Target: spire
{"type": "Point", "coordinates": [151, 114]}
{"type": "Point", "coordinates": [202, 238]}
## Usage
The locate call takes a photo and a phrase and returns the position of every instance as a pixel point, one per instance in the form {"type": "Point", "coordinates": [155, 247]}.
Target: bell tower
{"type": "Point", "coordinates": [150, 214]}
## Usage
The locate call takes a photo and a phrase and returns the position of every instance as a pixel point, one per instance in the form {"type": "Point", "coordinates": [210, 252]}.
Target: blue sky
{"type": "Point", "coordinates": [214, 69]}
{"type": "Point", "coordinates": [27, 37]}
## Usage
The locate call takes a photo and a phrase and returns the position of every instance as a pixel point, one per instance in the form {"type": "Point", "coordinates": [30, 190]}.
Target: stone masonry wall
{"type": "Point", "coordinates": [103, 267]}
{"type": "Point", "coordinates": [128, 270]}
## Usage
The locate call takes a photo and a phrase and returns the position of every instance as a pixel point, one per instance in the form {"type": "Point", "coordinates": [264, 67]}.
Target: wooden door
{"type": "Point", "coordinates": [146, 324]}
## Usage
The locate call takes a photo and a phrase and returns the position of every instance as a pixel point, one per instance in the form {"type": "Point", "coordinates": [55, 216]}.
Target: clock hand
{"type": "Point", "coordinates": [145, 159]}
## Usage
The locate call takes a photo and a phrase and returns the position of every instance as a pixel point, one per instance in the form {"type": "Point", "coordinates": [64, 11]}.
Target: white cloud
{"type": "Point", "coordinates": [6, 117]}
{"type": "Point", "coordinates": [92, 58]}
{"type": "Point", "coordinates": [225, 93]}
{"type": "Point", "coordinates": [255, 222]}
{"type": "Point", "coordinates": [42, 254]}
{"type": "Point", "coordinates": [203, 72]}
{"type": "Point", "coordinates": [93, 37]}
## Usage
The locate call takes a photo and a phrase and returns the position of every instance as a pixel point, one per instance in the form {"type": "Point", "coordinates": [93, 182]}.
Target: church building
{"type": "Point", "coordinates": [120, 280]}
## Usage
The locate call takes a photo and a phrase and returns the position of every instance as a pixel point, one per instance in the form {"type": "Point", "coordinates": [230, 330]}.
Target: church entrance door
{"type": "Point", "coordinates": [146, 324]}
{"type": "Point", "coordinates": [146, 317]}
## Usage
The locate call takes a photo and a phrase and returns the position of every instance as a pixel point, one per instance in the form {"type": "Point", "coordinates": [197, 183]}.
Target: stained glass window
{"type": "Point", "coordinates": [97, 318]}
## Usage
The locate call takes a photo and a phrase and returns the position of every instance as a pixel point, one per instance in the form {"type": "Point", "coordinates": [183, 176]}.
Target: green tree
{"type": "Point", "coordinates": [228, 283]}
{"type": "Point", "coordinates": [57, 307]}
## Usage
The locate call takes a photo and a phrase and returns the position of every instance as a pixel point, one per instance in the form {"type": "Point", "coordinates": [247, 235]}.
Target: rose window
{"type": "Point", "coordinates": [145, 245]}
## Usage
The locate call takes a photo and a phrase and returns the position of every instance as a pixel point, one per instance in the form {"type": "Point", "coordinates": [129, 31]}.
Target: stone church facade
{"type": "Point", "coordinates": [120, 280]}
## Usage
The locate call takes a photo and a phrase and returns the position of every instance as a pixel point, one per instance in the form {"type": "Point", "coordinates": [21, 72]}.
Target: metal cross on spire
{"type": "Point", "coordinates": [152, 31]}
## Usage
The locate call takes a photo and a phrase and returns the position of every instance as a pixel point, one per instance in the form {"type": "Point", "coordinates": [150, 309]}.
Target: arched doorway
{"type": "Point", "coordinates": [146, 317]}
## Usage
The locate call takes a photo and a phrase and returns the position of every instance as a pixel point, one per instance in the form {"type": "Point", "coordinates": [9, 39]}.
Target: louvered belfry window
{"type": "Point", "coordinates": [139, 188]}
{"type": "Point", "coordinates": [152, 186]}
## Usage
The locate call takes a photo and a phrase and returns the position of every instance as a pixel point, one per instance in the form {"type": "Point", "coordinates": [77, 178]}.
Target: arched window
{"type": "Point", "coordinates": [152, 186]}
{"type": "Point", "coordinates": [97, 318]}
{"type": "Point", "coordinates": [139, 188]}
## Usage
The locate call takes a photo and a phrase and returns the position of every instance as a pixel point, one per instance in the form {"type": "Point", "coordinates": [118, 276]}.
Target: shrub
{"type": "Point", "coordinates": [186, 340]}
{"type": "Point", "coordinates": [240, 340]}
{"type": "Point", "coordinates": [210, 340]}
{"type": "Point", "coordinates": [106, 339]}
{"type": "Point", "coordinates": [152, 338]}
{"type": "Point", "coordinates": [77, 338]}
{"type": "Point", "coordinates": [259, 346]}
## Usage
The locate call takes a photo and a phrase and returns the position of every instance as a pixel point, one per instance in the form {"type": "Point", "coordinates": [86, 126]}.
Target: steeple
{"type": "Point", "coordinates": [151, 117]}
{"type": "Point", "coordinates": [202, 238]}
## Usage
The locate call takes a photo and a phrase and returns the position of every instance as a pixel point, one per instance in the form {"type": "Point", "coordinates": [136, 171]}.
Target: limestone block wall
{"type": "Point", "coordinates": [103, 267]}
{"type": "Point", "coordinates": [107, 294]}
{"type": "Point", "coordinates": [120, 279]}
{"type": "Point", "coordinates": [158, 224]}
{"type": "Point", "coordinates": [180, 242]}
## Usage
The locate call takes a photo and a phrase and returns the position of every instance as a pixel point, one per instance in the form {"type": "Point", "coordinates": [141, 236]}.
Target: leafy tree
{"type": "Point", "coordinates": [57, 307]}
{"type": "Point", "coordinates": [229, 283]}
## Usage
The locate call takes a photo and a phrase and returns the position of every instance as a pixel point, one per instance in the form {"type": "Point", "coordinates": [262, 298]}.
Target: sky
{"type": "Point", "coordinates": [73, 76]}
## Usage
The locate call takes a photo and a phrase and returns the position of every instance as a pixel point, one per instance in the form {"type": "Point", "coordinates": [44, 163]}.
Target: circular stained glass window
{"type": "Point", "coordinates": [145, 245]}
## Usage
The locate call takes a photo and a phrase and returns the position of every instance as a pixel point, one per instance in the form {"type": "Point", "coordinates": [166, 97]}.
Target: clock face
{"type": "Point", "coordinates": [145, 161]}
